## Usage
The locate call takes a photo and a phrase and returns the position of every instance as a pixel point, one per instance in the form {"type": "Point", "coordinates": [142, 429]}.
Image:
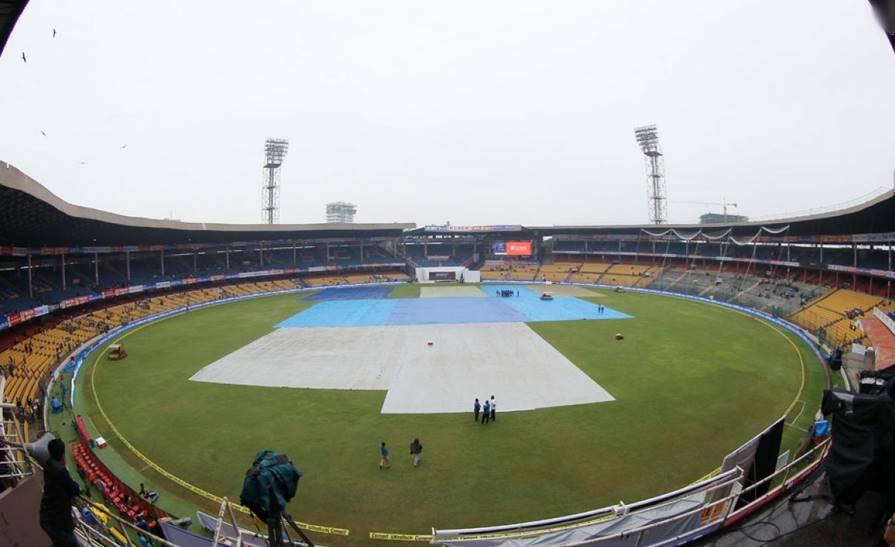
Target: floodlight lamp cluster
{"type": "Point", "coordinates": [275, 152]}
{"type": "Point", "coordinates": [647, 137]}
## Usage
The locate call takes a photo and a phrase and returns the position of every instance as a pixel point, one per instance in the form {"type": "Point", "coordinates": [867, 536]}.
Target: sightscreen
{"type": "Point", "coordinates": [443, 276]}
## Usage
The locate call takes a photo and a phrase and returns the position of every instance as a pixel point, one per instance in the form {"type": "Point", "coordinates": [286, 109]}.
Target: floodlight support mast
{"type": "Point", "coordinates": [648, 139]}
{"type": "Point", "coordinates": [274, 153]}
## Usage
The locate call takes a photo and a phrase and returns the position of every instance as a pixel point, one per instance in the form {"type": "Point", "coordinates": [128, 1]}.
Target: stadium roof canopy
{"type": "Point", "coordinates": [9, 14]}
{"type": "Point", "coordinates": [506, 230]}
{"type": "Point", "coordinates": [32, 216]}
{"type": "Point", "coordinates": [874, 216]}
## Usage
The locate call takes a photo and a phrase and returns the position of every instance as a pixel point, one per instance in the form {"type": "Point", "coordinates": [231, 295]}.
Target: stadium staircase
{"type": "Point", "coordinates": [745, 291]}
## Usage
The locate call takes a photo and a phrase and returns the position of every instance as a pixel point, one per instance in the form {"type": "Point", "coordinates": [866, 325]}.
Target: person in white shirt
{"type": "Point", "coordinates": [493, 409]}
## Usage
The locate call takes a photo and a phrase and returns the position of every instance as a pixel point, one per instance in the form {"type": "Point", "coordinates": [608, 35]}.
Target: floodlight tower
{"type": "Point", "coordinates": [648, 139]}
{"type": "Point", "coordinates": [274, 154]}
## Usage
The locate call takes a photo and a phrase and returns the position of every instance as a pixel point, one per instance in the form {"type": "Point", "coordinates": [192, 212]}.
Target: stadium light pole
{"type": "Point", "coordinates": [648, 139]}
{"type": "Point", "coordinates": [274, 153]}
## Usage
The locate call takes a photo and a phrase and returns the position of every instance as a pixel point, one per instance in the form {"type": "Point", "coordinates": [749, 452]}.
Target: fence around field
{"type": "Point", "coordinates": [671, 519]}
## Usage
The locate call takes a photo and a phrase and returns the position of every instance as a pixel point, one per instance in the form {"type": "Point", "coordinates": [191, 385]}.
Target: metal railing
{"type": "Point", "coordinates": [714, 512]}
{"type": "Point", "coordinates": [113, 531]}
{"type": "Point", "coordinates": [14, 462]}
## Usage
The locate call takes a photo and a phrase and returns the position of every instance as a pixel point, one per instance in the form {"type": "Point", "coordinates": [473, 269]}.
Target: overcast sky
{"type": "Point", "coordinates": [477, 112]}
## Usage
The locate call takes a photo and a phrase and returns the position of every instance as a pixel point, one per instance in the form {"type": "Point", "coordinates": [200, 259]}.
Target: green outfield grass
{"type": "Point", "coordinates": [407, 290]}
{"type": "Point", "coordinates": [691, 381]}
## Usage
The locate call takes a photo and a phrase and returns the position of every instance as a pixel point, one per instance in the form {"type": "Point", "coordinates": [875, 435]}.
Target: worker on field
{"type": "Point", "coordinates": [383, 453]}
{"type": "Point", "coordinates": [486, 412]}
{"type": "Point", "coordinates": [476, 407]}
{"type": "Point", "coordinates": [416, 451]}
{"type": "Point", "coordinates": [493, 404]}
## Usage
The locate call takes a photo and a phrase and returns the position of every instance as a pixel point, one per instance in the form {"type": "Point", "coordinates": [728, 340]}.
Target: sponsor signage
{"type": "Point", "coordinates": [864, 271]}
{"type": "Point", "coordinates": [74, 302]}
{"type": "Point", "coordinates": [512, 248]}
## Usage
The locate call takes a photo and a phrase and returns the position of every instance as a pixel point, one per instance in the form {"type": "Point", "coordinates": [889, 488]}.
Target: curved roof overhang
{"type": "Point", "coordinates": [874, 216]}
{"type": "Point", "coordinates": [32, 216]}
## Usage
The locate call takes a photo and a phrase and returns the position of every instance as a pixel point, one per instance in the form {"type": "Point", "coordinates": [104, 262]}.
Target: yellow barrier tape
{"type": "Point", "coordinates": [173, 478]}
{"type": "Point", "coordinates": [386, 536]}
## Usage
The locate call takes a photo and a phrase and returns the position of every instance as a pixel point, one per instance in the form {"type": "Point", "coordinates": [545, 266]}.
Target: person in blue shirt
{"type": "Point", "coordinates": [476, 407]}
{"type": "Point", "coordinates": [486, 412]}
{"type": "Point", "coordinates": [383, 452]}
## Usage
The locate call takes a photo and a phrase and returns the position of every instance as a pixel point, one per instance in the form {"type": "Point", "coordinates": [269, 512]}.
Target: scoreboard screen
{"type": "Point", "coordinates": [512, 248]}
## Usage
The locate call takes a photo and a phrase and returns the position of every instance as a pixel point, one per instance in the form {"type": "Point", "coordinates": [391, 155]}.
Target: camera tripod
{"type": "Point", "coordinates": [276, 531]}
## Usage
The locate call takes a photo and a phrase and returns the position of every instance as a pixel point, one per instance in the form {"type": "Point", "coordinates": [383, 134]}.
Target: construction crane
{"type": "Point", "coordinates": [724, 204]}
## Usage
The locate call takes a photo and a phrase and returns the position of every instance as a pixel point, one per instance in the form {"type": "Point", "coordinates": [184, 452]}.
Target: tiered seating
{"type": "Point", "coordinates": [354, 278]}
{"type": "Point", "coordinates": [324, 280]}
{"type": "Point", "coordinates": [628, 275]}
{"type": "Point", "coordinates": [557, 272]}
{"type": "Point", "coordinates": [116, 493]}
{"type": "Point", "coordinates": [832, 317]}
{"type": "Point", "coordinates": [378, 255]}
{"type": "Point", "coordinates": [649, 276]}
{"type": "Point", "coordinates": [509, 271]}
{"type": "Point", "coordinates": [376, 277]}
{"type": "Point", "coordinates": [36, 356]}
{"type": "Point", "coordinates": [494, 271]}
{"type": "Point", "coordinates": [31, 359]}
{"type": "Point", "coordinates": [590, 272]}
{"type": "Point", "coordinates": [440, 254]}
{"type": "Point", "coordinates": [524, 272]}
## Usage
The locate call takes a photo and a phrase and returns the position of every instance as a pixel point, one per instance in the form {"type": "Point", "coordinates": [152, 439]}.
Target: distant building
{"type": "Point", "coordinates": [719, 218]}
{"type": "Point", "coordinates": [340, 212]}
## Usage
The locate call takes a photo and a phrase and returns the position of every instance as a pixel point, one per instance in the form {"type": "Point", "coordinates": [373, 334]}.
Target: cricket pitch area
{"type": "Point", "coordinates": [464, 361]}
{"type": "Point", "coordinates": [434, 354]}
